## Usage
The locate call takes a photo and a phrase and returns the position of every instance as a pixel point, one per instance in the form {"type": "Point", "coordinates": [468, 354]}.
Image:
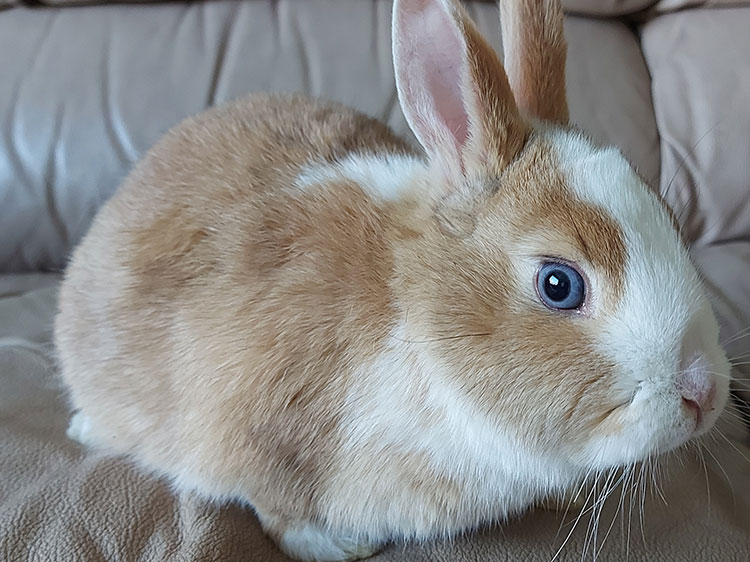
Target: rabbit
{"type": "Point", "coordinates": [286, 305]}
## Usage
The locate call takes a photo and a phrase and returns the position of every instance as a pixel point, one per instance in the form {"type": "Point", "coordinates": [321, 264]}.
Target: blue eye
{"type": "Point", "coordinates": [560, 286]}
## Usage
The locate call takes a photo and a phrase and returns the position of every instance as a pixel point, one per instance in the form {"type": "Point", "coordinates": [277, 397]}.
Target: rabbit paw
{"type": "Point", "coordinates": [311, 543]}
{"type": "Point", "coordinates": [80, 428]}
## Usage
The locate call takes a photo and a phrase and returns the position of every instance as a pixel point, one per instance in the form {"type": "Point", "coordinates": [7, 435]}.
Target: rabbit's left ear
{"type": "Point", "coordinates": [453, 91]}
{"type": "Point", "coordinates": [535, 52]}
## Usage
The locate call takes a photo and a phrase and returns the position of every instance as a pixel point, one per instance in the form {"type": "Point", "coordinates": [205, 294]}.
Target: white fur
{"type": "Point", "coordinates": [385, 178]}
{"type": "Point", "coordinates": [645, 334]}
{"type": "Point", "coordinates": [79, 428]}
{"type": "Point", "coordinates": [498, 476]}
{"type": "Point", "coordinates": [643, 338]}
{"type": "Point", "coordinates": [310, 542]}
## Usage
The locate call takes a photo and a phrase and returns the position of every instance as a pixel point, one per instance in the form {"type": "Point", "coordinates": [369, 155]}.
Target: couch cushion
{"type": "Point", "coordinates": [607, 7]}
{"type": "Point", "coordinates": [59, 502]}
{"type": "Point", "coordinates": [591, 7]}
{"type": "Point", "coordinates": [698, 61]}
{"type": "Point", "coordinates": [674, 5]}
{"type": "Point", "coordinates": [86, 91]}
{"type": "Point", "coordinates": [725, 267]}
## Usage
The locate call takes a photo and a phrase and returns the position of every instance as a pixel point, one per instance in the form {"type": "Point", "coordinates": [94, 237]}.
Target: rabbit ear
{"type": "Point", "coordinates": [535, 51]}
{"type": "Point", "coordinates": [453, 90]}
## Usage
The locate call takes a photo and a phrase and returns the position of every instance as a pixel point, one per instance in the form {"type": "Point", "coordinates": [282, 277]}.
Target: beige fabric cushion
{"type": "Point", "coordinates": [607, 7]}
{"type": "Point", "coordinates": [673, 5]}
{"type": "Point", "coordinates": [60, 503]}
{"type": "Point", "coordinates": [698, 61]}
{"type": "Point", "coordinates": [725, 268]}
{"type": "Point", "coordinates": [86, 91]}
{"type": "Point", "coordinates": [591, 7]}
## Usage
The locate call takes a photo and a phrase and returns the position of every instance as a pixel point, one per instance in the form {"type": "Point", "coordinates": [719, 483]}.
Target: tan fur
{"type": "Point", "coordinates": [593, 236]}
{"type": "Point", "coordinates": [221, 325]}
{"type": "Point", "coordinates": [503, 132]}
{"type": "Point", "coordinates": [476, 295]}
{"type": "Point", "coordinates": [520, 365]}
{"type": "Point", "coordinates": [239, 320]}
{"type": "Point", "coordinates": [249, 271]}
{"type": "Point", "coordinates": [535, 52]}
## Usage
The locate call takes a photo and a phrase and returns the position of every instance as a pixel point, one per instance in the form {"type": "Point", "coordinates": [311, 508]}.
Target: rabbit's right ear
{"type": "Point", "coordinates": [453, 90]}
{"type": "Point", "coordinates": [535, 53]}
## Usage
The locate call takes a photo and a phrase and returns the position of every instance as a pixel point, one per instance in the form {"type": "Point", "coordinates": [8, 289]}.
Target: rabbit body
{"type": "Point", "coordinates": [222, 332]}
{"type": "Point", "coordinates": [288, 306]}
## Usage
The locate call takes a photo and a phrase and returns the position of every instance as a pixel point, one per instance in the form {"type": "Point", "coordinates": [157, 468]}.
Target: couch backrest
{"type": "Point", "coordinates": [86, 90]}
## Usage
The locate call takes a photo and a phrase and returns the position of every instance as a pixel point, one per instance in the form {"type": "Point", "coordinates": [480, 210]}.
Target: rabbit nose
{"type": "Point", "coordinates": [696, 383]}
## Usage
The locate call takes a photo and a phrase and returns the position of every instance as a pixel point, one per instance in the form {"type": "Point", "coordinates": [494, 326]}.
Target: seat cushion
{"type": "Point", "coordinates": [675, 5]}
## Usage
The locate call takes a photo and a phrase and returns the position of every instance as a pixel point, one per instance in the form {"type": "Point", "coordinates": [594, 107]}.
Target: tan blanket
{"type": "Point", "coordinates": [58, 503]}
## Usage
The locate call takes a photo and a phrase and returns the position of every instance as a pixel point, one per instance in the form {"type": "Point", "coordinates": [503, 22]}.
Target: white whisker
{"type": "Point", "coordinates": [575, 523]}
{"type": "Point", "coordinates": [724, 472]}
{"type": "Point", "coordinates": [705, 471]}
{"type": "Point", "coordinates": [739, 335]}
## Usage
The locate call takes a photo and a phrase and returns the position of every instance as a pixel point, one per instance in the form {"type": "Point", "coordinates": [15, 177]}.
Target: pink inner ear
{"type": "Point", "coordinates": [431, 54]}
{"type": "Point", "coordinates": [444, 74]}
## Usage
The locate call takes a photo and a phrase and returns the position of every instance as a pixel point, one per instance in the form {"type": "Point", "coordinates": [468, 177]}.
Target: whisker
{"type": "Point", "coordinates": [610, 475]}
{"type": "Point", "coordinates": [445, 338]}
{"type": "Point", "coordinates": [655, 478]}
{"type": "Point", "coordinates": [575, 523]}
{"type": "Point", "coordinates": [632, 492]}
{"type": "Point", "coordinates": [625, 492]}
{"type": "Point", "coordinates": [572, 500]}
{"type": "Point", "coordinates": [590, 523]}
{"type": "Point", "coordinates": [620, 503]}
{"type": "Point", "coordinates": [730, 377]}
{"type": "Point", "coordinates": [705, 471]}
{"type": "Point", "coordinates": [735, 406]}
{"type": "Point", "coordinates": [596, 516]}
{"type": "Point", "coordinates": [726, 476]}
{"type": "Point", "coordinates": [685, 158]}
{"type": "Point", "coordinates": [736, 412]}
{"type": "Point", "coordinates": [721, 434]}
{"type": "Point", "coordinates": [642, 485]}
{"type": "Point", "coordinates": [741, 334]}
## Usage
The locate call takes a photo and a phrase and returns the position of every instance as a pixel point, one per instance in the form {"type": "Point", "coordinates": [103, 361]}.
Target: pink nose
{"type": "Point", "coordinates": [696, 383]}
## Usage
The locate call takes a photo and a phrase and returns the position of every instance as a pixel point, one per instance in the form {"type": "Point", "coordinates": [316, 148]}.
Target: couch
{"type": "Point", "coordinates": [86, 87]}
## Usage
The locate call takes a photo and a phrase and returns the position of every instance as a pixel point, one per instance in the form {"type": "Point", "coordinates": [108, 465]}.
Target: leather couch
{"type": "Point", "coordinates": [86, 87]}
